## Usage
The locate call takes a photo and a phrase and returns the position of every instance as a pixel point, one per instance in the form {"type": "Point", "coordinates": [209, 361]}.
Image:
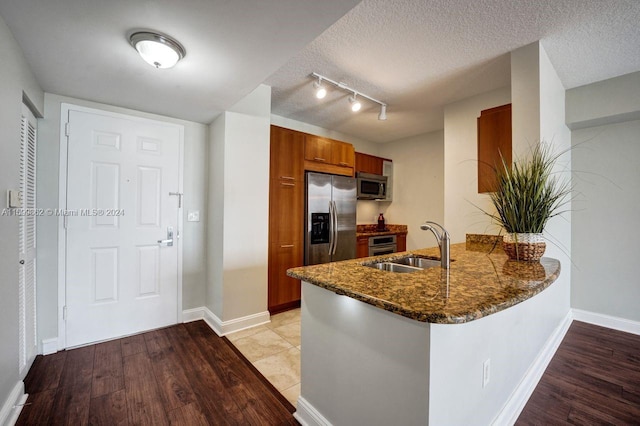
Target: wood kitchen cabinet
{"type": "Point", "coordinates": [494, 138]}
{"type": "Point", "coordinates": [366, 163]}
{"type": "Point", "coordinates": [362, 248]}
{"type": "Point", "coordinates": [401, 242]}
{"type": "Point", "coordinates": [328, 156]}
{"type": "Point", "coordinates": [287, 153]}
{"type": "Point", "coordinates": [286, 217]}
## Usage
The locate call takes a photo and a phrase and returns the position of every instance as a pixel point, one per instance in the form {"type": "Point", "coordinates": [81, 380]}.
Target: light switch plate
{"type": "Point", "coordinates": [193, 216]}
{"type": "Point", "coordinates": [14, 199]}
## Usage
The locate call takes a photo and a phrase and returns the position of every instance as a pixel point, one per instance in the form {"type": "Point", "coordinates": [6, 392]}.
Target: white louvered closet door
{"type": "Point", "coordinates": [27, 276]}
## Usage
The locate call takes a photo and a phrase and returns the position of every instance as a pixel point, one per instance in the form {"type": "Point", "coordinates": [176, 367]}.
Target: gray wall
{"type": "Point", "coordinates": [15, 78]}
{"type": "Point", "coordinates": [418, 186]}
{"type": "Point", "coordinates": [195, 198]}
{"type": "Point", "coordinates": [606, 176]}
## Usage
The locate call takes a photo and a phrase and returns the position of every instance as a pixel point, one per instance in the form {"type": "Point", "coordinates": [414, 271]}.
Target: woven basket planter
{"type": "Point", "coordinates": [524, 247]}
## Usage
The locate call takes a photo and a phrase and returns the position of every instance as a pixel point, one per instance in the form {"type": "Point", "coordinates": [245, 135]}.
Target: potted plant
{"type": "Point", "coordinates": [526, 195]}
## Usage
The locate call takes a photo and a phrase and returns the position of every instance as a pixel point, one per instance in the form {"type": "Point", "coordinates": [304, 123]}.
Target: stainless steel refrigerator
{"type": "Point", "coordinates": [330, 226]}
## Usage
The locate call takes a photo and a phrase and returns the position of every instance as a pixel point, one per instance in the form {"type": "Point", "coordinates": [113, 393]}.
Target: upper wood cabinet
{"type": "Point", "coordinates": [342, 154]}
{"type": "Point", "coordinates": [328, 156]}
{"type": "Point", "coordinates": [317, 148]}
{"type": "Point", "coordinates": [494, 139]}
{"type": "Point", "coordinates": [287, 154]}
{"type": "Point", "coordinates": [366, 163]}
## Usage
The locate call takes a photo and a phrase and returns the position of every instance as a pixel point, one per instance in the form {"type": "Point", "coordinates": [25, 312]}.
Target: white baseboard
{"type": "Point", "coordinates": [194, 314]}
{"type": "Point", "coordinates": [307, 415]}
{"type": "Point", "coordinates": [223, 328]}
{"type": "Point", "coordinates": [12, 407]}
{"type": "Point", "coordinates": [608, 321]}
{"type": "Point", "coordinates": [50, 346]}
{"type": "Point", "coordinates": [522, 393]}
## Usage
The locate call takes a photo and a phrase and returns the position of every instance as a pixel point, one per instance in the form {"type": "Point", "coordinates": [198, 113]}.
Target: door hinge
{"type": "Point", "coordinates": [64, 221]}
{"type": "Point", "coordinates": [67, 129]}
{"type": "Point", "coordinates": [64, 312]}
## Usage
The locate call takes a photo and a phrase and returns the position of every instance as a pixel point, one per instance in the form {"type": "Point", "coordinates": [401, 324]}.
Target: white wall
{"type": "Point", "coordinates": [461, 216]}
{"type": "Point", "coordinates": [418, 185]}
{"type": "Point", "coordinates": [239, 208]}
{"type": "Point", "coordinates": [16, 78]}
{"type": "Point", "coordinates": [606, 164]}
{"type": "Point", "coordinates": [194, 243]}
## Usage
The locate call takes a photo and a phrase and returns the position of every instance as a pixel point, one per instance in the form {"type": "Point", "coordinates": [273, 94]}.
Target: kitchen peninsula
{"type": "Point", "coordinates": [434, 346]}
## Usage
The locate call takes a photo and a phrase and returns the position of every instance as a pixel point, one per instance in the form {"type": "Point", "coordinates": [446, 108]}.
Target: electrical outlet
{"type": "Point", "coordinates": [193, 216]}
{"type": "Point", "coordinates": [486, 372]}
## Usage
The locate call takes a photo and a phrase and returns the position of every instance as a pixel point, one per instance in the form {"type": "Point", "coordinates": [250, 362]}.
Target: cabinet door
{"type": "Point", "coordinates": [342, 154]}
{"type": "Point", "coordinates": [282, 288]}
{"type": "Point", "coordinates": [286, 211]}
{"type": "Point", "coordinates": [366, 163]}
{"type": "Point", "coordinates": [494, 144]}
{"type": "Point", "coordinates": [401, 242]}
{"type": "Point", "coordinates": [287, 154]}
{"type": "Point", "coordinates": [362, 249]}
{"type": "Point", "coordinates": [317, 149]}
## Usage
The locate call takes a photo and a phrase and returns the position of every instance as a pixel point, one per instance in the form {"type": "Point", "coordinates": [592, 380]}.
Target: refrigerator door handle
{"type": "Point", "coordinates": [335, 227]}
{"type": "Point", "coordinates": [331, 242]}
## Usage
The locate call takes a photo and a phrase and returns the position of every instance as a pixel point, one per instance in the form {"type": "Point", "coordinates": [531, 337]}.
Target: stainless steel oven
{"type": "Point", "coordinates": [383, 244]}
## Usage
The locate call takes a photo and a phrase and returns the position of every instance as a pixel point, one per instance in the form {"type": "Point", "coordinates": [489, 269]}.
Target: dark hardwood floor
{"type": "Point", "coordinates": [182, 375]}
{"type": "Point", "coordinates": [593, 379]}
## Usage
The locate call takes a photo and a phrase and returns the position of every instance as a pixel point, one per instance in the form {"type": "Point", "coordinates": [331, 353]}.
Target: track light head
{"type": "Point", "coordinates": [321, 92]}
{"type": "Point", "coordinates": [383, 113]}
{"type": "Point", "coordinates": [355, 104]}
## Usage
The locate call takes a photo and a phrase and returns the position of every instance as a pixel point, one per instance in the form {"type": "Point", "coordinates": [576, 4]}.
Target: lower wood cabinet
{"type": "Point", "coordinates": [401, 242]}
{"type": "Point", "coordinates": [362, 249]}
{"type": "Point", "coordinates": [286, 293]}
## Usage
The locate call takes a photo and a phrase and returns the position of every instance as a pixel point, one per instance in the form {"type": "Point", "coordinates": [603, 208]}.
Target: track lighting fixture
{"type": "Point", "coordinates": [321, 92]}
{"type": "Point", "coordinates": [383, 112]}
{"type": "Point", "coordinates": [356, 105]}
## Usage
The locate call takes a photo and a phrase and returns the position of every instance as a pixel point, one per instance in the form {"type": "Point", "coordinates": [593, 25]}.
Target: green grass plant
{"type": "Point", "coordinates": [528, 193]}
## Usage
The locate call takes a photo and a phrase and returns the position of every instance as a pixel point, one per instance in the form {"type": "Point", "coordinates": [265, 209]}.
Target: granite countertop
{"type": "Point", "coordinates": [480, 282]}
{"type": "Point", "coordinates": [372, 230]}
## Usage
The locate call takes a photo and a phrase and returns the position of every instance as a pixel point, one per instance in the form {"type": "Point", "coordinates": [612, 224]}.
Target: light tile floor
{"type": "Point", "coordinates": [274, 349]}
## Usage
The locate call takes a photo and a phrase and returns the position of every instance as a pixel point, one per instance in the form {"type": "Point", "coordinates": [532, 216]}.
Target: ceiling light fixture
{"type": "Point", "coordinates": [321, 92]}
{"type": "Point", "coordinates": [383, 113]}
{"type": "Point", "coordinates": [158, 50]}
{"type": "Point", "coordinates": [356, 105]}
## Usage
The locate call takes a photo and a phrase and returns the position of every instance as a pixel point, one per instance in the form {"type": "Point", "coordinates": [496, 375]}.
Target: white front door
{"type": "Point", "coordinates": [120, 279]}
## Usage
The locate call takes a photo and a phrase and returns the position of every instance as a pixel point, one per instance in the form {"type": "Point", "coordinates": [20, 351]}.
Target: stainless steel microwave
{"type": "Point", "coordinates": [371, 187]}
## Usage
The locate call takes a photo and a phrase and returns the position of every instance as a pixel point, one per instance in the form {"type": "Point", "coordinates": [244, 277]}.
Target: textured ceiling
{"type": "Point", "coordinates": [416, 55]}
{"type": "Point", "coordinates": [419, 55]}
{"type": "Point", "coordinates": [79, 48]}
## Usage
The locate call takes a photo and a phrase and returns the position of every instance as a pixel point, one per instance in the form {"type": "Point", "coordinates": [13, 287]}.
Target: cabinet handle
{"type": "Point", "coordinates": [287, 246]}
{"type": "Point", "coordinates": [287, 184]}
{"type": "Point", "coordinates": [342, 163]}
{"type": "Point", "coordinates": [319, 159]}
{"type": "Point", "coordinates": [287, 177]}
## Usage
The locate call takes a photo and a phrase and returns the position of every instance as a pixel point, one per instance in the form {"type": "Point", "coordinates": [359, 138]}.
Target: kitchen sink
{"type": "Point", "coordinates": [393, 267]}
{"type": "Point", "coordinates": [406, 264]}
{"type": "Point", "coordinates": [420, 262]}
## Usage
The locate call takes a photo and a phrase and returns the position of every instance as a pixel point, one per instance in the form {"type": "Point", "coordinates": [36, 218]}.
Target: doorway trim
{"type": "Point", "coordinates": [62, 202]}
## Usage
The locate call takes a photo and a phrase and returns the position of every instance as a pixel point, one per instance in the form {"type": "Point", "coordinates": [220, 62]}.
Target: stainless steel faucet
{"type": "Point", "coordinates": [444, 241]}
